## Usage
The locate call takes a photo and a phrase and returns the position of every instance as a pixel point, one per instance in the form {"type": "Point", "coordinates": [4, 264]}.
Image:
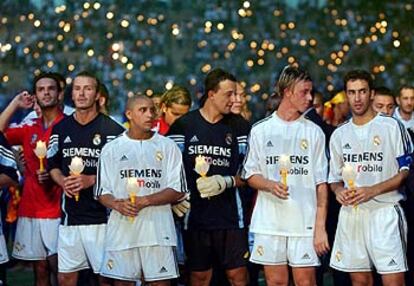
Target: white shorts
{"type": "Point", "coordinates": [4, 257]}
{"type": "Point", "coordinates": [36, 238]}
{"type": "Point", "coordinates": [81, 247]}
{"type": "Point", "coordinates": [282, 250]}
{"type": "Point", "coordinates": [154, 263]}
{"type": "Point", "coordinates": [367, 238]}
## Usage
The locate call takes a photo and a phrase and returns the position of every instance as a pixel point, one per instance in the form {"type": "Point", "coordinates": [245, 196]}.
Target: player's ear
{"type": "Point", "coordinates": [128, 114]}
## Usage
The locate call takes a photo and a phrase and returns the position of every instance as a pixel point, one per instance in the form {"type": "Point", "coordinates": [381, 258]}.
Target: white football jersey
{"type": "Point", "coordinates": [409, 124]}
{"type": "Point", "coordinates": [376, 151]}
{"type": "Point", "coordinates": [304, 142]}
{"type": "Point", "coordinates": [156, 164]}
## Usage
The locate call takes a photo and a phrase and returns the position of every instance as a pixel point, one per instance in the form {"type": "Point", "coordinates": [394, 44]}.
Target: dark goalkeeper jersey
{"type": "Point", "coordinates": [224, 144]}
{"type": "Point", "coordinates": [69, 139]}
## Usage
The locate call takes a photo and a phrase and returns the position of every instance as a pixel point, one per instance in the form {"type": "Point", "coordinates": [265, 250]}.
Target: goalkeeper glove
{"type": "Point", "coordinates": [214, 185]}
{"type": "Point", "coordinates": [181, 208]}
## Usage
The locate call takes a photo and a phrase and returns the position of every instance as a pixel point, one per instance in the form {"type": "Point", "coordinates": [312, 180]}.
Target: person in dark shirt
{"type": "Point", "coordinates": [83, 224]}
{"type": "Point", "coordinates": [215, 230]}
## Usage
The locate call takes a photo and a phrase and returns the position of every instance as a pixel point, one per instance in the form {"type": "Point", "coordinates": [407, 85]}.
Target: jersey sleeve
{"type": "Point", "coordinates": [103, 176]}
{"type": "Point", "coordinates": [403, 147]}
{"type": "Point", "coordinates": [54, 152]}
{"type": "Point", "coordinates": [336, 161]}
{"type": "Point", "coordinates": [15, 135]}
{"type": "Point", "coordinates": [176, 133]}
{"type": "Point", "coordinates": [251, 164]}
{"type": "Point", "coordinates": [176, 179]}
{"type": "Point", "coordinates": [321, 162]}
{"type": "Point", "coordinates": [8, 164]}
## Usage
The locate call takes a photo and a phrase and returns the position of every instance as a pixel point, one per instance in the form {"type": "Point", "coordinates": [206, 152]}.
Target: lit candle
{"type": "Point", "coordinates": [284, 166]}
{"type": "Point", "coordinates": [349, 176]}
{"type": "Point", "coordinates": [132, 189]}
{"type": "Point", "coordinates": [40, 152]}
{"type": "Point", "coordinates": [76, 168]}
{"type": "Point", "coordinates": [201, 165]}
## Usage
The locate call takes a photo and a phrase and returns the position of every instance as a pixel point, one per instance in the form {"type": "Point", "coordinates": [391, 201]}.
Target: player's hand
{"type": "Point", "coordinates": [278, 189]}
{"type": "Point", "coordinates": [42, 176]}
{"type": "Point", "coordinates": [181, 208]}
{"type": "Point", "coordinates": [213, 185]}
{"type": "Point", "coordinates": [361, 195]}
{"type": "Point", "coordinates": [74, 184]}
{"type": "Point", "coordinates": [23, 100]}
{"type": "Point", "coordinates": [141, 203]}
{"type": "Point", "coordinates": [126, 208]}
{"type": "Point", "coordinates": [320, 241]}
{"type": "Point", "coordinates": [342, 196]}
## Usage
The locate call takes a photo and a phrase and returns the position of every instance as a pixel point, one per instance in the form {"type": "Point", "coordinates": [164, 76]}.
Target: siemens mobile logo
{"type": "Point", "coordinates": [81, 152]}
{"type": "Point", "coordinates": [368, 161]}
{"type": "Point", "coordinates": [294, 159]}
{"type": "Point", "coordinates": [209, 150]}
{"type": "Point", "coordinates": [140, 173]}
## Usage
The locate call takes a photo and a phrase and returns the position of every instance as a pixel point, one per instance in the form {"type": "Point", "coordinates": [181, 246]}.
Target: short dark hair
{"type": "Point", "coordinates": [288, 76]}
{"type": "Point", "coordinates": [383, 90]}
{"type": "Point", "coordinates": [406, 86]}
{"type": "Point", "coordinates": [213, 80]}
{"type": "Point", "coordinates": [90, 75]}
{"type": "Point", "coordinates": [60, 78]}
{"type": "Point", "coordinates": [46, 75]}
{"type": "Point", "coordinates": [361, 75]}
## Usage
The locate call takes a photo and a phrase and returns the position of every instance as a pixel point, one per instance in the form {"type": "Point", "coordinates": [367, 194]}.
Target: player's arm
{"type": "Point", "coordinates": [364, 194]}
{"type": "Point", "coordinates": [166, 196]}
{"type": "Point", "coordinates": [252, 171]}
{"type": "Point", "coordinates": [321, 237]}
{"type": "Point", "coordinates": [402, 149]}
{"type": "Point", "coordinates": [6, 181]}
{"type": "Point", "coordinates": [22, 100]}
{"type": "Point", "coordinates": [123, 206]}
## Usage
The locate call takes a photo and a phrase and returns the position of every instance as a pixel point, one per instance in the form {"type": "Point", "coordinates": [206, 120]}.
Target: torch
{"type": "Point", "coordinates": [349, 175]}
{"type": "Point", "coordinates": [132, 189]}
{"type": "Point", "coordinates": [76, 168]}
{"type": "Point", "coordinates": [40, 152]}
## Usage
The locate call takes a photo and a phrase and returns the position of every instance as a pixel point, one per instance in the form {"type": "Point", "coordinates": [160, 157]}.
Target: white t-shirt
{"type": "Point", "coordinates": [372, 150]}
{"type": "Point", "coordinates": [157, 165]}
{"type": "Point", "coordinates": [409, 124]}
{"type": "Point", "coordinates": [304, 142]}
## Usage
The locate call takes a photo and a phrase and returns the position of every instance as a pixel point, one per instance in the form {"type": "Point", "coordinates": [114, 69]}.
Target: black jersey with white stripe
{"type": "Point", "coordinates": [224, 145]}
{"type": "Point", "coordinates": [8, 164]}
{"type": "Point", "coordinates": [69, 139]}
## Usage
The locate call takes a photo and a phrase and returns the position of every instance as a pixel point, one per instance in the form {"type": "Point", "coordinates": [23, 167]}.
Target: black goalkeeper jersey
{"type": "Point", "coordinates": [224, 144]}
{"type": "Point", "coordinates": [69, 138]}
{"type": "Point", "coordinates": [8, 164]}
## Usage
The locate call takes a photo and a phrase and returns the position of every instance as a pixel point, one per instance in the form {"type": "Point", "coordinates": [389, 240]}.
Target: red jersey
{"type": "Point", "coordinates": [38, 200]}
{"type": "Point", "coordinates": [160, 126]}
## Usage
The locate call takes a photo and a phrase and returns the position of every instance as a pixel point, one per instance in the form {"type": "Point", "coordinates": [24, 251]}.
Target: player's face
{"type": "Point", "coordinates": [239, 99]}
{"type": "Point", "coordinates": [142, 114]}
{"type": "Point", "coordinates": [84, 93]}
{"type": "Point", "coordinates": [359, 96]}
{"type": "Point", "coordinates": [406, 100]}
{"type": "Point", "coordinates": [384, 104]}
{"type": "Point", "coordinates": [300, 95]}
{"type": "Point", "coordinates": [224, 97]}
{"type": "Point", "coordinates": [173, 112]}
{"type": "Point", "coordinates": [47, 94]}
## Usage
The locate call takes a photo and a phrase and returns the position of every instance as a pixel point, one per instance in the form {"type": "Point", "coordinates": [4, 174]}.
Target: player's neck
{"type": "Point", "coordinates": [85, 116]}
{"type": "Point", "coordinates": [364, 118]}
{"type": "Point", "coordinates": [49, 115]}
{"type": "Point", "coordinates": [137, 134]}
{"type": "Point", "coordinates": [210, 113]}
{"type": "Point", "coordinates": [286, 112]}
{"type": "Point", "coordinates": [405, 115]}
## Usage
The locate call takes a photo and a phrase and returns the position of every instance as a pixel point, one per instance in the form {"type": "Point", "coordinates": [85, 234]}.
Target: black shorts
{"type": "Point", "coordinates": [227, 249]}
